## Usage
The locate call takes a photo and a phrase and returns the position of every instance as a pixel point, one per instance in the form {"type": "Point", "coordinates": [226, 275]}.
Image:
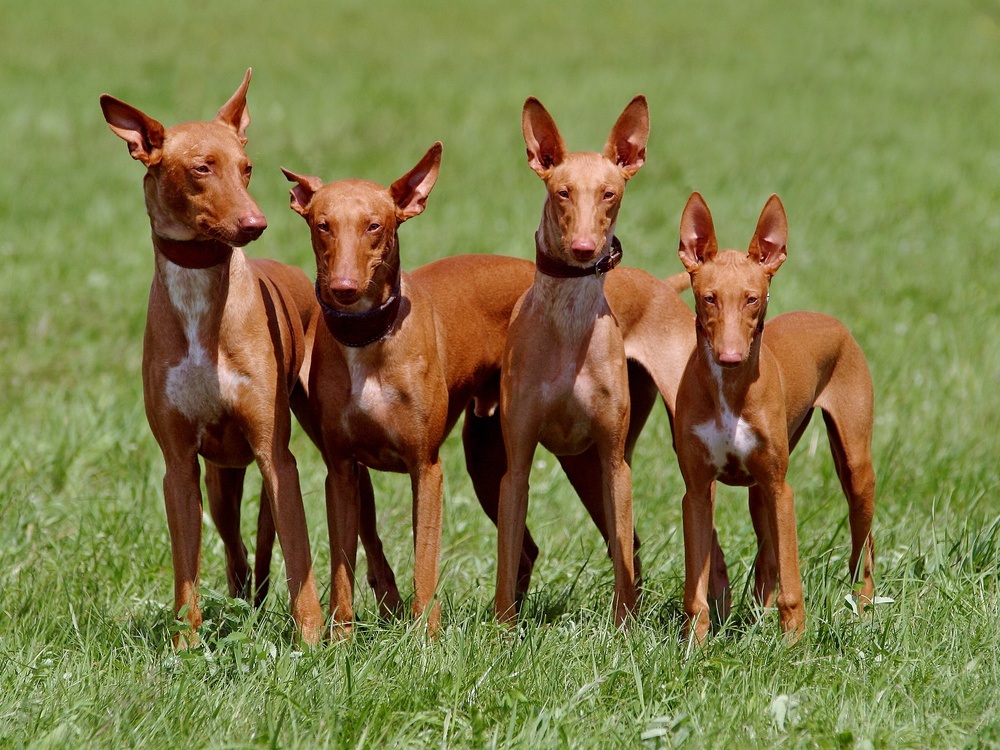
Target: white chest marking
{"type": "Point", "coordinates": [196, 386]}
{"type": "Point", "coordinates": [727, 435]}
{"type": "Point", "coordinates": [366, 387]}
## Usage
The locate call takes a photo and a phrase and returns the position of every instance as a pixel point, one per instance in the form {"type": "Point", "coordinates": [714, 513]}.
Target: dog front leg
{"type": "Point", "coordinates": [765, 569]}
{"type": "Point", "coordinates": [427, 484]}
{"type": "Point", "coordinates": [281, 477]}
{"type": "Point", "coordinates": [779, 500]}
{"type": "Point", "coordinates": [719, 591]}
{"type": "Point", "coordinates": [342, 515]}
{"type": "Point", "coordinates": [512, 515]}
{"type": "Point", "coordinates": [618, 512]}
{"type": "Point", "coordinates": [380, 575]}
{"type": "Point", "coordinates": [182, 496]}
{"type": "Point", "coordinates": [584, 473]}
{"type": "Point", "coordinates": [698, 513]}
{"type": "Point", "coordinates": [225, 497]}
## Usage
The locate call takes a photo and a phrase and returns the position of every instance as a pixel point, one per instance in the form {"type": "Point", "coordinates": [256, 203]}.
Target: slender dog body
{"type": "Point", "coordinates": [564, 377]}
{"type": "Point", "coordinates": [377, 379]}
{"type": "Point", "coordinates": [226, 340]}
{"type": "Point", "coordinates": [658, 339]}
{"type": "Point", "coordinates": [744, 401]}
{"type": "Point", "coordinates": [474, 296]}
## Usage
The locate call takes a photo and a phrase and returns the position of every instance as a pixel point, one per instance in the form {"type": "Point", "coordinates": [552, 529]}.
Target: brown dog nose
{"type": "Point", "coordinates": [584, 248]}
{"type": "Point", "coordinates": [730, 358]}
{"type": "Point", "coordinates": [343, 288]}
{"type": "Point", "coordinates": [252, 225]}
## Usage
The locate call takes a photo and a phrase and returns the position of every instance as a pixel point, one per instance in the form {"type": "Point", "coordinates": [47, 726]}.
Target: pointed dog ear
{"type": "Point", "coordinates": [626, 145]}
{"type": "Point", "coordinates": [545, 146]}
{"type": "Point", "coordinates": [698, 243]}
{"type": "Point", "coordinates": [769, 243]}
{"type": "Point", "coordinates": [306, 186]}
{"type": "Point", "coordinates": [142, 133]}
{"type": "Point", "coordinates": [235, 113]}
{"type": "Point", "coordinates": [410, 191]}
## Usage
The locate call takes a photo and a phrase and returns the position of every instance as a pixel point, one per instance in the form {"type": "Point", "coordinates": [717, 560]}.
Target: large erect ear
{"type": "Point", "coordinates": [626, 145]}
{"type": "Point", "coordinates": [142, 133]}
{"type": "Point", "coordinates": [769, 243]}
{"type": "Point", "coordinates": [235, 113]}
{"type": "Point", "coordinates": [410, 191]}
{"type": "Point", "coordinates": [306, 186]}
{"type": "Point", "coordinates": [546, 148]}
{"type": "Point", "coordinates": [698, 243]}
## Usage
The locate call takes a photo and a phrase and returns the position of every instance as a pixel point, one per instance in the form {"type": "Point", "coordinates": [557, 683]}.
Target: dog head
{"type": "Point", "coordinates": [584, 188]}
{"type": "Point", "coordinates": [730, 287]}
{"type": "Point", "coordinates": [196, 173]}
{"type": "Point", "coordinates": [354, 227]}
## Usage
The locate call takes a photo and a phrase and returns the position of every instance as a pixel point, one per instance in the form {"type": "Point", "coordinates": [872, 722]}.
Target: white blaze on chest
{"type": "Point", "coordinates": [728, 436]}
{"type": "Point", "coordinates": [366, 387]}
{"type": "Point", "coordinates": [197, 386]}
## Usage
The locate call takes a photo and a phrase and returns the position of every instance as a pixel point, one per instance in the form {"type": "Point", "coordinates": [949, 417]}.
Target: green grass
{"type": "Point", "coordinates": [875, 122]}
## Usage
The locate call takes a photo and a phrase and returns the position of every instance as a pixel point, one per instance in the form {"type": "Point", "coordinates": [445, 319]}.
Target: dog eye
{"type": "Point", "coordinates": [752, 300]}
{"type": "Point", "coordinates": [709, 299]}
{"type": "Point", "coordinates": [564, 194]}
{"type": "Point", "coordinates": [323, 226]}
{"type": "Point", "coordinates": [374, 226]}
{"type": "Point", "coordinates": [609, 196]}
{"type": "Point", "coordinates": [203, 169]}
{"type": "Point", "coordinates": [248, 171]}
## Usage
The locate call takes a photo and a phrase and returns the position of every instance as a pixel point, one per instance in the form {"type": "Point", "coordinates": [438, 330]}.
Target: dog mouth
{"type": "Point", "coordinates": [345, 298]}
{"type": "Point", "coordinates": [233, 238]}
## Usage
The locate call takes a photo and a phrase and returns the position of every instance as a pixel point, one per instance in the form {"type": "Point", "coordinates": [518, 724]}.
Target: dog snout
{"type": "Point", "coordinates": [343, 289]}
{"type": "Point", "coordinates": [584, 248]}
{"type": "Point", "coordinates": [252, 225]}
{"type": "Point", "coordinates": [730, 357]}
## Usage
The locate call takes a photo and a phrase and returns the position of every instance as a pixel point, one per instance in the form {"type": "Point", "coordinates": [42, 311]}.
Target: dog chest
{"type": "Point", "coordinates": [201, 386]}
{"type": "Point", "coordinates": [569, 404]}
{"type": "Point", "coordinates": [379, 419]}
{"type": "Point", "coordinates": [729, 439]}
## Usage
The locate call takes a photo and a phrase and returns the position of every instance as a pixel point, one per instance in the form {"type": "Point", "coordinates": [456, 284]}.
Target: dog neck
{"type": "Point", "coordinates": [552, 266]}
{"type": "Point", "coordinates": [194, 254]}
{"type": "Point", "coordinates": [357, 329]}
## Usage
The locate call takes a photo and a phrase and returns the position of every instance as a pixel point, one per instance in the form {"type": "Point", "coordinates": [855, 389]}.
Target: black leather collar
{"type": "Point", "coordinates": [363, 328]}
{"type": "Point", "coordinates": [550, 266]}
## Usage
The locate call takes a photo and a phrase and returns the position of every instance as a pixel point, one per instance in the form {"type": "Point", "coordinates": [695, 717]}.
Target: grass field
{"type": "Point", "coordinates": [876, 122]}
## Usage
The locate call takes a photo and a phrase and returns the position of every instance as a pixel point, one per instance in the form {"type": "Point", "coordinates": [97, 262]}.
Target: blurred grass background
{"type": "Point", "coordinates": [875, 122]}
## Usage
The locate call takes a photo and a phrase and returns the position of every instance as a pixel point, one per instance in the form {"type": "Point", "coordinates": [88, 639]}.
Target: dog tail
{"type": "Point", "coordinates": [679, 281]}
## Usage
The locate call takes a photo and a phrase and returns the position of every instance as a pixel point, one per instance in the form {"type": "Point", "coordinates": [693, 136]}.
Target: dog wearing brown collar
{"type": "Point", "coordinates": [377, 381]}
{"type": "Point", "coordinates": [227, 341]}
{"type": "Point", "coordinates": [564, 378]}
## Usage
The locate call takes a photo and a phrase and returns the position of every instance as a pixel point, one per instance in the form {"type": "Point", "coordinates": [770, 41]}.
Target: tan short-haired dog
{"type": "Point", "coordinates": [377, 380]}
{"type": "Point", "coordinates": [745, 400]}
{"type": "Point", "coordinates": [564, 378]}
{"type": "Point", "coordinates": [227, 338]}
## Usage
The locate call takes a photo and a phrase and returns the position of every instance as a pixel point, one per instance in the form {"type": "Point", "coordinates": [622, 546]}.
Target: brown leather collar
{"type": "Point", "coordinates": [553, 267]}
{"type": "Point", "coordinates": [361, 329]}
{"type": "Point", "coordinates": [193, 253]}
